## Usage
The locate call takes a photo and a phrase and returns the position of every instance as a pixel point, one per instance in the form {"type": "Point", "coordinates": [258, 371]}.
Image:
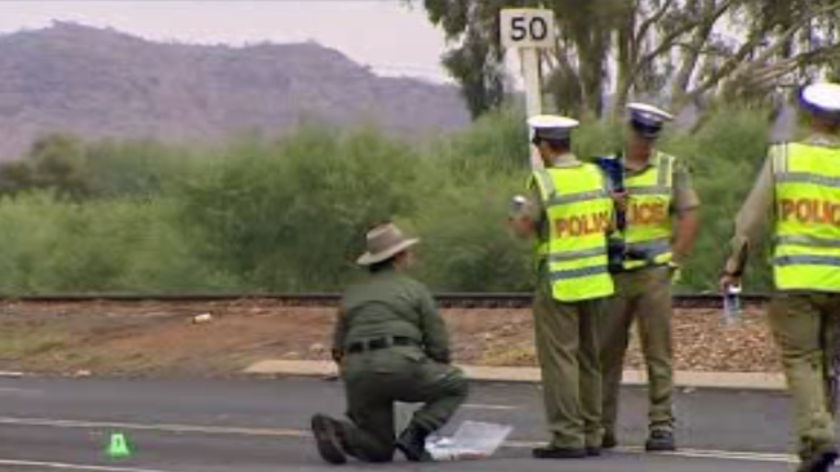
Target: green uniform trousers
{"type": "Point", "coordinates": [566, 337]}
{"type": "Point", "coordinates": [374, 380]}
{"type": "Point", "coordinates": [643, 296]}
{"type": "Point", "coordinates": [805, 328]}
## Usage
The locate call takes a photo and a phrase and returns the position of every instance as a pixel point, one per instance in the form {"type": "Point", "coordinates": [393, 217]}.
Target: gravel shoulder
{"type": "Point", "coordinates": [162, 339]}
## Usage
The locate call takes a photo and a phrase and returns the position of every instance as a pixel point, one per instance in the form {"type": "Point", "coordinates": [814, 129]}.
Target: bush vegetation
{"type": "Point", "coordinates": [289, 215]}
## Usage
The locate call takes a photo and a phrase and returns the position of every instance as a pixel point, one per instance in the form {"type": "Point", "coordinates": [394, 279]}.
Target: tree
{"type": "Point", "coordinates": [478, 72]}
{"type": "Point", "coordinates": [681, 50]}
{"type": "Point", "coordinates": [55, 161]}
{"type": "Point", "coordinates": [780, 41]}
{"type": "Point", "coordinates": [477, 63]}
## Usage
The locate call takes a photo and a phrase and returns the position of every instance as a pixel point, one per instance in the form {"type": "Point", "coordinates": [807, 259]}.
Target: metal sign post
{"type": "Point", "coordinates": [528, 30]}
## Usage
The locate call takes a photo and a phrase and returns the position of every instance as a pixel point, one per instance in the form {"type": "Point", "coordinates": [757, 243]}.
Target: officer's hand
{"type": "Point", "coordinates": [521, 225]}
{"type": "Point", "coordinates": [728, 280]}
{"type": "Point", "coordinates": [674, 272]}
{"type": "Point", "coordinates": [620, 199]}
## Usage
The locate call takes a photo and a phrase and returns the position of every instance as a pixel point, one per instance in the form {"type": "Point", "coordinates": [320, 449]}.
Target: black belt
{"type": "Point", "coordinates": [380, 343]}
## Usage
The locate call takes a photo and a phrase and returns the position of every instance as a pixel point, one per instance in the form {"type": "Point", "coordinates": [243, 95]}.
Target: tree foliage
{"type": "Point", "coordinates": [683, 51]}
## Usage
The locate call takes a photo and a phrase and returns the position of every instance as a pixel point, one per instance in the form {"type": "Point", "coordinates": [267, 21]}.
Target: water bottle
{"type": "Point", "coordinates": [517, 204]}
{"type": "Point", "coordinates": [732, 305]}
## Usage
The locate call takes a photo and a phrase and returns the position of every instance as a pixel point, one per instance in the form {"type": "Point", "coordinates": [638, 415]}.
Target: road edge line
{"type": "Point", "coordinates": [682, 379]}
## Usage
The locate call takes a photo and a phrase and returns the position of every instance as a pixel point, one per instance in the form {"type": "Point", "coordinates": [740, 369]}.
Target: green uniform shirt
{"type": "Point", "coordinates": [390, 303]}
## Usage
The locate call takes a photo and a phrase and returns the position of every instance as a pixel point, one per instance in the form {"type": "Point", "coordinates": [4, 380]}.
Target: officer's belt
{"type": "Point", "coordinates": [373, 344]}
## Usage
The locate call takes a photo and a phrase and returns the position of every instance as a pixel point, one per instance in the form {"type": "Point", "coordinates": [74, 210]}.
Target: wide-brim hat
{"type": "Point", "coordinates": [384, 242]}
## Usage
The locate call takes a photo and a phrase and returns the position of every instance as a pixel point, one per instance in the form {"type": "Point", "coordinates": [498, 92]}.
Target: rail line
{"type": "Point", "coordinates": [444, 300]}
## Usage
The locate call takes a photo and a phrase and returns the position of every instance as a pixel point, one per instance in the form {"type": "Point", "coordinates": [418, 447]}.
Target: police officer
{"type": "Point", "coordinates": [657, 186]}
{"type": "Point", "coordinates": [391, 344]}
{"type": "Point", "coordinates": [798, 192]}
{"type": "Point", "coordinates": [569, 213]}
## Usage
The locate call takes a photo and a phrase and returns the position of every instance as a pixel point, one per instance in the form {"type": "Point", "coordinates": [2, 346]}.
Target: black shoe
{"type": "Point", "coordinates": [593, 451]}
{"type": "Point", "coordinates": [609, 441]}
{"type": "Point", "coordinates": [660, 440]}
{"type": "Point", "coordinates": [559, 453]}
{"type": "Point", "coordinates": [412, 443]}
{"type": "Point", "coordinates": [327, 438]}
{"type": "Point", "coordinates": [820, 461]}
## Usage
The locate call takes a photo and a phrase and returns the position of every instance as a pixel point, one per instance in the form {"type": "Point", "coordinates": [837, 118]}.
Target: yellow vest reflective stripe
{"type": "Point", "coordinates": [807, 225]}
{"type": "Point", "coordinates": [649, 227]}
{"type": "Point", "coordinates": [578, 211]}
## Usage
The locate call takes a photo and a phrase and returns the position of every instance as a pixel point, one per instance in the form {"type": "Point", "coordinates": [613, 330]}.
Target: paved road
{"type": "Point", "coordinates": [261, 425]}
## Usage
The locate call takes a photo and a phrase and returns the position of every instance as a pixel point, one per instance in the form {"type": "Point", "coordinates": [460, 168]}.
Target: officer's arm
{"type": "Point", "coordinates": [751, 221]}
{"type": "Point", "coordinates": [433, 328]}
{"type": "Point", "coordinates": [688, 224]}
{"type": "Point", "coordinates": [524, 222]}
{"type": "Point", "coordinates": [688, 214]}
{"type": "Point", "coordinates": [339, 332]}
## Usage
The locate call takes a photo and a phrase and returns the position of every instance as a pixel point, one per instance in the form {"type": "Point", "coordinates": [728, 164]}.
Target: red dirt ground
{"type": "Point", "coordinates": [161, 339]}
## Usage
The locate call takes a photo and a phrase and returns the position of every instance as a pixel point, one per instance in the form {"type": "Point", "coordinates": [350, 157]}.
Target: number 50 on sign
{"type": "Point", "coordinates": [527, 28]}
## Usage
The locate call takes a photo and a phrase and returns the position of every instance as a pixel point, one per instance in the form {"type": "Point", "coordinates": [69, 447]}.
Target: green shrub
{"type": "Point", "coordinates": [290, 214]}
{"type": "Point", "coordinates": [50, 246]}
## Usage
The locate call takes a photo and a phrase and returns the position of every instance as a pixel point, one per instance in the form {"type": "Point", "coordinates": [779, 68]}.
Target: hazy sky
{"type": "Point", "coordinates": [388, 35]}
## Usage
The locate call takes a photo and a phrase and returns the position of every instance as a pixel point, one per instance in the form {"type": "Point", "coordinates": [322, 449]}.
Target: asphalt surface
{"type": "Point", "coordinates": [262, 425]}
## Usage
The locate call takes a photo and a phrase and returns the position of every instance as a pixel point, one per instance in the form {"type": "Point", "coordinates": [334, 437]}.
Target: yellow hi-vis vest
{"type": "Point", "coordinates": [649, 228]}
{"type": "Point", "coordinates": [807, 224]}
{"type": "Point", "coordinates": [578, 211]}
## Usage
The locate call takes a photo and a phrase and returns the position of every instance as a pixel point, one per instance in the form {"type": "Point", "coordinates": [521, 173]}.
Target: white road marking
{"type": "Point", "coordinates": [284, 432]}
{"type": "Point", "coordinates": [9, 373]}
{"type": "Point", "coordinates": [682, 452]}
{"type": "Point", "coordinates": [175, 428]}
{"type": "Point", "coordinates": [734, 455]}
{"type": "Point", "coordinates": [86, 467]}
{"type": "Point", "coordinates": [21, 391]}
{"type": "Point", "coordinates": [482, 406]}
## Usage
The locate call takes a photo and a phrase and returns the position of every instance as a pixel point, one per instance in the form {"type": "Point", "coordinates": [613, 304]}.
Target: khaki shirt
{"type": "Point", "coordinates": [751, 222]}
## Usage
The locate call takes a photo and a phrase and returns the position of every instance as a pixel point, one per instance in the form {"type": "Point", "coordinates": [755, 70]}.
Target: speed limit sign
{"type": "Point", "coordinates": [527, 28]}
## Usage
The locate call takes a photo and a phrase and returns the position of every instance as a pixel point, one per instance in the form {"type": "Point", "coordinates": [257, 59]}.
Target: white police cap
{"type": "Point", "coordinates": [552, 126]}
{"type": "Point", "coordinates": [647, 119]}
{"type": "Point", "coordinates": [823, 97]}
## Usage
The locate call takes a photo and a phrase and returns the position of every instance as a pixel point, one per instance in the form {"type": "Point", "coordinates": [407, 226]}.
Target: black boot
{"type": "Point", "coordinates": [609, 440]}
{"type": "Point", "coordinates": [412, 443]}
{"type": "Point", "coordinates": [660, 440]}
{"type": "Point", "coordinates": [819, 460]}
{"type": "Point", "coordinates": [328, 439]}
{"type": "Point", "coordinates": [551, 452]}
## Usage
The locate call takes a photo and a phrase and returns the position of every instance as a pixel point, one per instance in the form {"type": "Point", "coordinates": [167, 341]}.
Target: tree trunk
{"type": "Point", "coordinates": [627, 49]}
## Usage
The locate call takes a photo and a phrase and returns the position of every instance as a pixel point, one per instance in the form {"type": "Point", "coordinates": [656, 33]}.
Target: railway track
{"type": "Point", "coordinates": [445, 300]}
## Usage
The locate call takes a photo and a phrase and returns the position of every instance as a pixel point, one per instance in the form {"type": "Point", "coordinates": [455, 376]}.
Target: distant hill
{"type": "Point", "coordinates": [101, 82]}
